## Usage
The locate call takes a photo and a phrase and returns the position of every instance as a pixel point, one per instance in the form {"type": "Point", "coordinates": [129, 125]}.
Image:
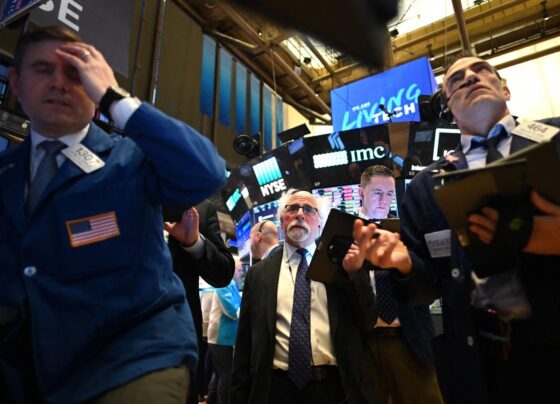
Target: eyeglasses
{"type": "Point", "coordinates": [308, 210]}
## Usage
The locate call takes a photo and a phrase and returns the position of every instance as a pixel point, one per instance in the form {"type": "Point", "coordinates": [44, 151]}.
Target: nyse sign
{"type": "Point", "coordinates": [68, 12]}
{"type": "Point", "coordinates": [345, 157]}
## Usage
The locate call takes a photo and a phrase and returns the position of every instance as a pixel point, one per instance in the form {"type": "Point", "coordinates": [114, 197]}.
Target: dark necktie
{"type": "Point", "coordinates": [299, 354]}
{"type": "Point", "coordinates": [45, 171]}
{"type": "Point", "coordinates": [385, 298]}
{"type": "Point", "coordinates": [491, 143]}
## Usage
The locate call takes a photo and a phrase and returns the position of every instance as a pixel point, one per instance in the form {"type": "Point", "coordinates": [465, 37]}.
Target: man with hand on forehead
{"type": "Point", "coordinates": [90, 309]}
{"type": "Point", "coordinates": [500, 338]}
{"type": "Point", "coordinates": [301, 341]}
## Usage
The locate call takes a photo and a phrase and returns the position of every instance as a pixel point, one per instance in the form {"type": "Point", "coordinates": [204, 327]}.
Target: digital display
{"type": "Point", "coordinates": [13, 9]}
{"type": "Point", "coordinates": [268, 211]}
{"type": "Point", "coordinates": [428, 142]}
{"type": "Point", "coordinates": [236, 196]}
{"type": "Point", "coordinates": [343, 197]}
{"type": "Point", "coordinates": [362, 103]}
{"type": "Point", "coordinates": [340, 158]}
{"type": "Point", "coordinates": [243, 235]}
{"type": "Point", "coordinates": [3, 143]}
{"type": "Point", "coordinates": [269, 175]}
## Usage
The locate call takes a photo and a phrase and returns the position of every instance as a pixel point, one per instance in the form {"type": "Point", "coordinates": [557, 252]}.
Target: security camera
{"type": "Point", "coordinates": [247, 145]}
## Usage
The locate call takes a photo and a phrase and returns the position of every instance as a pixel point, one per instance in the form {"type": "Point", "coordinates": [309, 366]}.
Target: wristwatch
{"type": "Point", "coordinates": [113, 94]}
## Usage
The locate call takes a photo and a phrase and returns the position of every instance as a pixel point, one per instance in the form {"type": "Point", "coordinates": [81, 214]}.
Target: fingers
{"type": "Point", "coordinates": [544, 205]}
{"type": "Point", "coordinates": [484, 225]}
{"type": "Point", "coordinates": [168, 227]}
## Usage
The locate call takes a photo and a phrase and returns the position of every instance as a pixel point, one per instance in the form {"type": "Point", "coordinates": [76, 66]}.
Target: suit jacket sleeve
{"type": "Point", "coordinates": [216, 266]}
{"type": "Point", "coordinates": [359, 293]}
{"type": "Point", "coordinates": [183, 166]}
{"type": "Point", "coordinates": [419, 215]}
{"type": "Point", "coordinates": [240, 383]}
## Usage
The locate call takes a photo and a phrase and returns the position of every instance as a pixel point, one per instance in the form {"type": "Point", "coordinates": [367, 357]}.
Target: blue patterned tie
{"type": "Point", "coordinates": [45, 172]}
{"type": "Point", "coordinates": [385, 297]}
{"type": "Point", "coordinates": [496, 135]}
{"type": "Point", "coordinates": [299, 355]}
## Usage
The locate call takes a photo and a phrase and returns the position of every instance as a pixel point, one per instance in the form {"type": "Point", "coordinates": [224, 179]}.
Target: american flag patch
{"type": "Point", "coordinates": [92, 229]}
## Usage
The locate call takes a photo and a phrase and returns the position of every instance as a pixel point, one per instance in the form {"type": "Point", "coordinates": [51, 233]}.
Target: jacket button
{"type": "Point", "coordinates": [455, 272]}
{"type": "Point", "coordinates": [30, 271]}
{"type": "Point", "coordinates": [470, 341]}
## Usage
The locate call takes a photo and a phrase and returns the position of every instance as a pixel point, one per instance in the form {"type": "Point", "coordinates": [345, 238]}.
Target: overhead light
{"type": "Point", "coordinates": [545, 15]}
{"type": "Point", "coordinates": [307, 60]}
{"type": "Point", "coordinates": [297, 70]}
{"type": "Point", "coordinates": [259, 32]}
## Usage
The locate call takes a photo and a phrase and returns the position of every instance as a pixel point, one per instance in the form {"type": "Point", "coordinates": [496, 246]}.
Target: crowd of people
{"type": "Point", "coordinates": [96, 306]}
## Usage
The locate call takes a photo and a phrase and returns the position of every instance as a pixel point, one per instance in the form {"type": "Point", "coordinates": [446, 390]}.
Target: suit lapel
{"type": "Point", "coordinates": [519, 143]}
{"type": "Point", "coordinates": [16, 173]}
{"type": "Point", "coordinates": [332, 307]}
{"type": "Point", "coordinates": [97, 141]}
{"type": "Point", "coordinates": [272, 274]}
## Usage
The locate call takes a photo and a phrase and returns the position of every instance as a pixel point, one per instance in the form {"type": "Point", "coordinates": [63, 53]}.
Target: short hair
{"type": "Point", "coordinates": [372, 171]}
{"type": "Point", "coordinates": [51, 33]}
{"type": "Point", "coordinates": [283, 201]}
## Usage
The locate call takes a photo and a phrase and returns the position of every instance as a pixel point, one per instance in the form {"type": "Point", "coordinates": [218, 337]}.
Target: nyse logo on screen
{"type": "Point", "coordinates": [269, 177]}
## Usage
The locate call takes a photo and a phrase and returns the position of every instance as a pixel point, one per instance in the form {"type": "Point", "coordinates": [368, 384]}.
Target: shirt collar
{"type": "Point", "coordinates": [291, 250]}
{"type": "Point", "coordinates": [267, 252]}
{"type": "Point", "coordinates": [70, 140]}
{"type": "Point", "coordinates": [508, 122]}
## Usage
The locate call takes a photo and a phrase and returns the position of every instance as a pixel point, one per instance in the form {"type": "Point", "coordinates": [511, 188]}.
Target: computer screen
{"type": "Point", "coordinates": [243, 235]}
{"type": "Point", "coordinates": [340, 158]}
{"type": "Point", "coordinates": [236, 196]}
{"type": "Point", "coordinates": [268, 211]}
{"type": "Point", "coordinates": [428, 142]}
{"type": "Point", "coordinates": [3, 143]}
{"type": "Point", "coordinates": [342, 197]}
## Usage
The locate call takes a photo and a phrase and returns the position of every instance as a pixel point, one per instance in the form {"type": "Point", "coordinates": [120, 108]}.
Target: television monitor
{"type": "Point", "coordinates": [401, 185]}
{"type": "Point", "coordinates": [340, 158]}
{"type": "Point", "coordinates": [390, 96]}
{"type": "Point", "coordinates": [269, 175]}
{"type": "Point", "coordinates": [429, 141]}
{"type": "Point", "coordinates": [13, 9]}
{"type": "Point", "coordinates": [4, 143]}
{"type": "Point", "coordinates": [268, 211]}
{"type": "Point", "coordinates": [243, 235]}
{"type": "Point", "coordinates": [236, 196]}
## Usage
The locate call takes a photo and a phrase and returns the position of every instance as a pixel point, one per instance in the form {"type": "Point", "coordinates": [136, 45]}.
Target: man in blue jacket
{"type": "Point", "coordinates": [501, 336]}
{"type": "Point", "coordinates": [90, 308]}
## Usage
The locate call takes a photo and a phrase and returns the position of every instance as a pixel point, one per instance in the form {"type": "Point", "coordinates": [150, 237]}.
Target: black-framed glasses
{"type": "Point", "coordinates": [308, 210]}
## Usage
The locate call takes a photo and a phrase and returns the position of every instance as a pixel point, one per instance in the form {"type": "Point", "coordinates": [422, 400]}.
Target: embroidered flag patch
{"type": "Point", "coordinates": [92, 229]}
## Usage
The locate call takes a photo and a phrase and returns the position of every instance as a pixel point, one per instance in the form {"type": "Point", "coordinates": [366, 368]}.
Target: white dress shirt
{"type": "Point", "coordinates": [322, 350]}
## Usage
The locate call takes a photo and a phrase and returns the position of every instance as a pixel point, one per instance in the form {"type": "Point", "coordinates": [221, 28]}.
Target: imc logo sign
{"type": "Point", "coordinates": [369, 101]}
{"type": "Point", "coordinates": [269, 177]}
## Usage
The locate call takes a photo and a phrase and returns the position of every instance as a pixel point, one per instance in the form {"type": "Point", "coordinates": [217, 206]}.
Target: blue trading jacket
{"type": "Point", "coordinates": [100, 314]}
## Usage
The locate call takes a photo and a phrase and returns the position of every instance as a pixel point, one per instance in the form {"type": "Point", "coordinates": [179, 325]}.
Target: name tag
{"type": "Point", "coordinates": [535, 131]}
{"type": "Point", "coordinates": [439, 243]}
{"type": "Point", "coordinates": [83, 158]}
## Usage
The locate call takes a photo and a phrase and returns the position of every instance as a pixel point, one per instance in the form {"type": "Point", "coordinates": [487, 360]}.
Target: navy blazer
{"type": "Point", "coordinates": [107, 312]}
{"type": "Point", "coordinates": [450, 279]}
{"type": "Point", "coordinates": [352, 313]}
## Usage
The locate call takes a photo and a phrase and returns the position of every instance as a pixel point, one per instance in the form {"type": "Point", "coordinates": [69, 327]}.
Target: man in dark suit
{"type": "Point", "coordinates": [91, 310]}
{"type": "Point", "coordinates": [500, 338]}
{"type": "Point", "coordinates": [198, 250]}
{"type": "Point", "coordinates": [400, 345]}
{"type": "Point", "coordinates": [301, 341]}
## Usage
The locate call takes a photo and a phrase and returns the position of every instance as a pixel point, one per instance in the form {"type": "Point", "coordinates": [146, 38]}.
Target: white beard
{"type": "Point", "coordinates": [297, 233]}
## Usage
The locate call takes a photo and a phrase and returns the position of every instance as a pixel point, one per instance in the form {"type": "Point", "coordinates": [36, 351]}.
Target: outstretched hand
{"type": "Point", "coordinates": [185, 231]}
{"type": "Point", "coordinates": [382, 248]}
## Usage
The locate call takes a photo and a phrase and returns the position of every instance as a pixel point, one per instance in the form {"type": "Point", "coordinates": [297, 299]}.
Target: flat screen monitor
{"type": "Point", "coordinates": [4, 143]}
{"type": "Point", "coordinates": [268, 211]}
{"type": "Point", "coordinates": [236, 196]}
{"type": "Point", "coordinates": [243, 235]}
{"type": "Point", "coordinates": [269, 175]}
{"type": "Point", "coordinates": [13, 9]}
{"type": "Point", "coordinates": [428, 142]}
{"type": "Point", "coordinates": [340, 158]}
{"type": "Point", "coordinates": [401, 185]}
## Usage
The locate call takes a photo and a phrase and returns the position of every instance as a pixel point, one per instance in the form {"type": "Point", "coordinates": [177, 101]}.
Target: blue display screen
{"type": "Point", "coordinates": [243, 235]}
{"type": "Point", "coordinates": [268, 211]}
{"type": "Point", "coordinates": [359, 104]}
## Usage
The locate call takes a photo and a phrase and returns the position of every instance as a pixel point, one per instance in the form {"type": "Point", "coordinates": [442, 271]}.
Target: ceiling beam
{"type": "Point", "coordinates": [461, 24]}
{"type": "Point", "coordinates": [240, 21]}
{"type": "Point", "coordinates": [318, 55]}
